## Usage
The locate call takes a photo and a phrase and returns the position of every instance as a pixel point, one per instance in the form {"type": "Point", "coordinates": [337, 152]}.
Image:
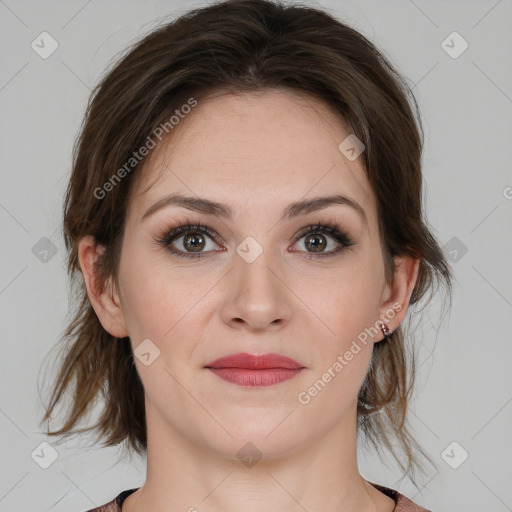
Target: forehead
{"type": "Point", "coordinates": [258, 151]}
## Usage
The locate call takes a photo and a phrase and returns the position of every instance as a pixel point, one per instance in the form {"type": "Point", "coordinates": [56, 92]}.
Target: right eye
{"type": "Point", "coordinates": [194, 238]}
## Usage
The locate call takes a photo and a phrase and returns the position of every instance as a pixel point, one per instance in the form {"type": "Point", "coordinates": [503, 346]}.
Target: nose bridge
{"type": "Point", "coordinates": [256, 294]}
{"type": "Point", "coordinates": [256, 279]}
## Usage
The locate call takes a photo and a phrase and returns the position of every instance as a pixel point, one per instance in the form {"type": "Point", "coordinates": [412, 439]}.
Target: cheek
{"type": "Point", "coordinates": [165, 307]}
{"type": "Point", "coordinates": [346, 299]}
{"type": "Point", "coordinates": [348, 310]}
{"type": "Point", "coordinates": [148, 310]}
{"type": "Point", "coordinates": [347, 303]}
{"type": "Point", "coordinates": [332, 392]}
{"type": "Point", "coordinates": [160, 302]}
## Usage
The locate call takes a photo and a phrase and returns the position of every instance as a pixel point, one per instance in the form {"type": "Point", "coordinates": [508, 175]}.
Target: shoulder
{"type": "Point", "coordinates": [114, 505]}
{"type": "Point", "coordinates": [402, 503]}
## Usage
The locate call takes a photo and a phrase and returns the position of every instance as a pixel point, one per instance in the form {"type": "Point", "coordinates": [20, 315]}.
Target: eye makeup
{"type": "Point", "coordinates": [174, 232]}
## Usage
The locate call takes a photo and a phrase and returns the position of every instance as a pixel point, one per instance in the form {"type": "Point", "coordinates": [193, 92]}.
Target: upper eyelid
{"type": "Point", "coordinates": [340, 235]}
{"type": "Point", "coordinates": [310, 228]}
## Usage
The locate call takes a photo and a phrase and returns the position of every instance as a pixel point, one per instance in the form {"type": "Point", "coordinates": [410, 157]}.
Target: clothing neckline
{"type": "Point", "coordinates": [391, 493]}
{"type": "Point", "coordinates": [123, 495]}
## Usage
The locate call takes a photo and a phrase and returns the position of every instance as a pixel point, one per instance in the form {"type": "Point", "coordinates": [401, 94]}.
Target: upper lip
{"type": "Point", "coordinates": [254, 362]}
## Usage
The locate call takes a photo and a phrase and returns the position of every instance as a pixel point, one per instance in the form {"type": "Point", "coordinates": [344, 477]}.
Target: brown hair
{"type": "Point", "coordinates": [241, 46]}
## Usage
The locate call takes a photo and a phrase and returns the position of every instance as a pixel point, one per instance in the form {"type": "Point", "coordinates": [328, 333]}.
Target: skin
{"type": "Point", "coordinates": [257, 153]}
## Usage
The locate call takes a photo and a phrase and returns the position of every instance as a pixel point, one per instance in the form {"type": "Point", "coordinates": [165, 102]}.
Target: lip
{"type": "Point", "coordinates": [255, 370]}
{"type": "Point", "coordinates": [254, 362]}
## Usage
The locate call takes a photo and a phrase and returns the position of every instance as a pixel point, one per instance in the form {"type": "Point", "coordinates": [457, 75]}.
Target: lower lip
{"type": "Point", "coordinates": [252, 378]}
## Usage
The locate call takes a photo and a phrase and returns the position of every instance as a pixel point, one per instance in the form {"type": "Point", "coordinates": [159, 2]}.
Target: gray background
{"type": "Point", "coordinates": [464, 389]}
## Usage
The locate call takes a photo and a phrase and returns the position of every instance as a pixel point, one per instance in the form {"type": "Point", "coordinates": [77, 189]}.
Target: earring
{"type": "Point", "coordinates": [385, 330]}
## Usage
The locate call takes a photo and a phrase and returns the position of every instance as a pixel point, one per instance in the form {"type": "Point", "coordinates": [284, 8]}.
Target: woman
{"type": "Point", "coordinates": [245, 211]}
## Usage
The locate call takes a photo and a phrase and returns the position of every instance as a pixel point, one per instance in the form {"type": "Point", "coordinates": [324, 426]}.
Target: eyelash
{"type": "Point", "coordinates": [333, 229]}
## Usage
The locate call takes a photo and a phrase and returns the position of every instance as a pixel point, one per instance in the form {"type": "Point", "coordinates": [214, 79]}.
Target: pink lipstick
{"type": "Point", "coordinates": [249, 370]}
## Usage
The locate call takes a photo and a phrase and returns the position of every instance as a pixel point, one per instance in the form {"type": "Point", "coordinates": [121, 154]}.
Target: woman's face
{"type": "Point", "coordinates": [258, 283]}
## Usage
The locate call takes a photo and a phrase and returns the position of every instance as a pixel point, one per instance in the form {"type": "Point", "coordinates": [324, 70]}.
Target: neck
{"type": "Point", "coordinates": [322, 475]}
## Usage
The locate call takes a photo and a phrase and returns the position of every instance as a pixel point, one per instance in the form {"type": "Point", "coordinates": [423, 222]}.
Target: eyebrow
{"type": "Point", "coordinates": [209, 207]}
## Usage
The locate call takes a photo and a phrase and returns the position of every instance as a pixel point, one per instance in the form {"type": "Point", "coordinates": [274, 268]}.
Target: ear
{"type": "Point", "coordinates": [396, 296]}
{"type": "Point", "coordinates": [106, 302]}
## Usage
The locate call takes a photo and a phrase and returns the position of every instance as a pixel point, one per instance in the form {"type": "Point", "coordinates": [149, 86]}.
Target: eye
{"type": "Point", "coordinates": [191, 240]}
{"type": "Point", "coordinates": [316, 240]}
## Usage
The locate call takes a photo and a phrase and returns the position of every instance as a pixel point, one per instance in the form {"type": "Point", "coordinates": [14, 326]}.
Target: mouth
{"type": "Point", "coordinates": [255, 371]}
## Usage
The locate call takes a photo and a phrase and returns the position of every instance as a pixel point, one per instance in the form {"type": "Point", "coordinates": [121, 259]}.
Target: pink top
{"type": "Point", "coordinates": [402, 504]}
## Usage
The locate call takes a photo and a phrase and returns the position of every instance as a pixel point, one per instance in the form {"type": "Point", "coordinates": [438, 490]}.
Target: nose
{"type": "Point", "coordinates": [257, 297]}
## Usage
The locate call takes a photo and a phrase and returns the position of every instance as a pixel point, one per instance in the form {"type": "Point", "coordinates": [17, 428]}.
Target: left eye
{"type": "Point", "coordinates": [317, 237]}
{"type": "Point", "coordinates": [317, 242]}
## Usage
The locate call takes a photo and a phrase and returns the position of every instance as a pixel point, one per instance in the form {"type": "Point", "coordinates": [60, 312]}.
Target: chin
{"type": "Point", "coordinates": [256, 436]}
